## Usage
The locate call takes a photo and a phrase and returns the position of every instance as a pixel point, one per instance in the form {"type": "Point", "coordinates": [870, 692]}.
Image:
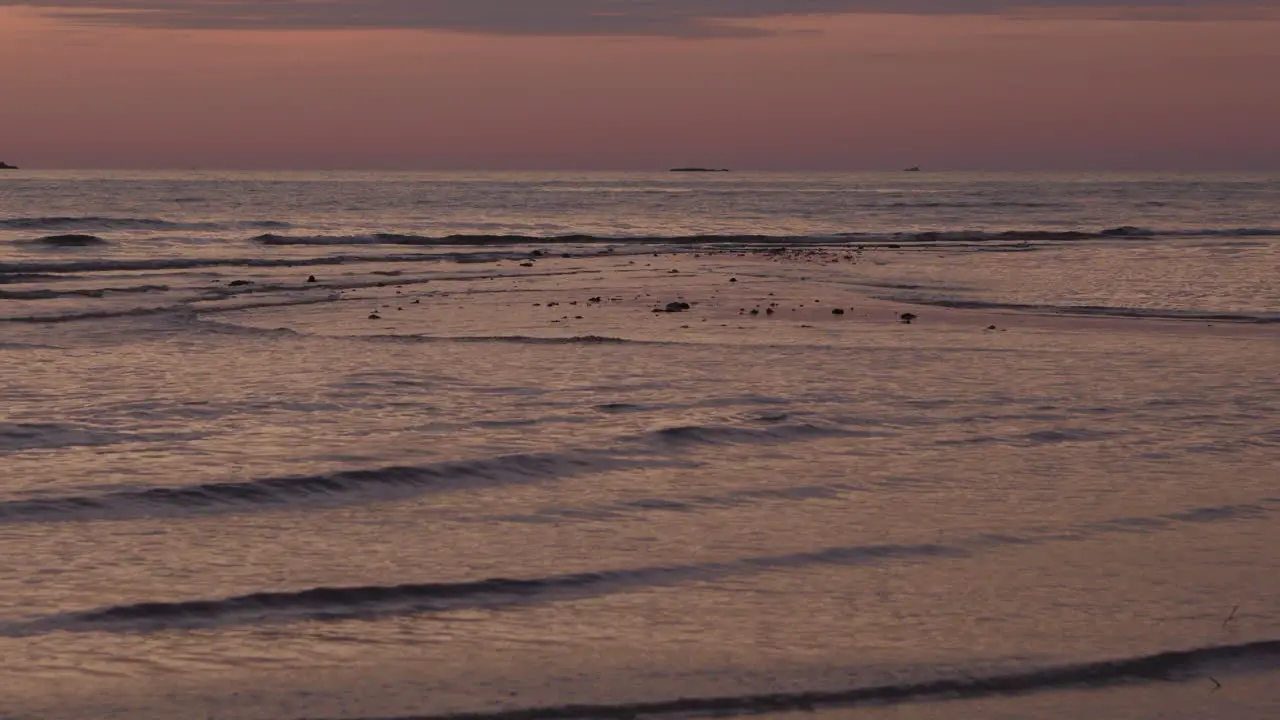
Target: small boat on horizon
{"type": "Point", "coordinates": [698, 169]}
{"type": "Point", "coordinates": [913, 168]}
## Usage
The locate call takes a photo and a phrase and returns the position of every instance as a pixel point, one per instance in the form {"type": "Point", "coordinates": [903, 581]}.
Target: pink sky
{"type": "Point", "coordinates": [1061, 90]}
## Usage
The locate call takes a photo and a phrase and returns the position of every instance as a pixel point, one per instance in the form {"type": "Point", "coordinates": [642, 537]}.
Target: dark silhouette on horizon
{"type": "Point", "coordinates": [6, 166]}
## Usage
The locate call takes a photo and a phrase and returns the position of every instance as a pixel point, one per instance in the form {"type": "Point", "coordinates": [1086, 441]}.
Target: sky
{"type": "Point", "coordinates": [641, 84]}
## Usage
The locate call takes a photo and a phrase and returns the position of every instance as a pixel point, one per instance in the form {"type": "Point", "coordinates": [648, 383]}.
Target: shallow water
{"type": "Point", "coordinates": [255, 501]}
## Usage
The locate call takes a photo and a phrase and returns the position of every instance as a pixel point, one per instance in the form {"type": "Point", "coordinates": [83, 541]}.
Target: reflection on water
{"type": "Point", "coordinates": [522, 487]}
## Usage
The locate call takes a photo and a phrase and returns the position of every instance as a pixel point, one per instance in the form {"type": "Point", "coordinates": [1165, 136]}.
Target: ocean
{"type": "Point", "coordinates": [576, 445]}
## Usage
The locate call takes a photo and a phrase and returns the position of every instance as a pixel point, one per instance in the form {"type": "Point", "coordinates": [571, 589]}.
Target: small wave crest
{"type": "Point", "coordinates": [1095, 310]}
{"type": "Point", "coordinates": [325, 601]}
{"type": "Point", "coordinates": [965, 205]}
{"type": "Point", "coordinates": [466, 240]}
{"type": "Point", "coordinates": [371, 601]}
{"type": "Point", "coordinates": [16, 437]}
{"type": "Point", "coordinates": [397, 482]}
{"type": "Point", "coordinates": [413, 240]}
{"type": "Point", "coordinates": [925, 237]}
{"type": "Point", "coordinates": [107, 265]}
{"type": "Point", "coordinates": [94, 222]}
{"type": "Point", "coordinates": [1228, 232]}
{"type": "Point", "coordinates": [49, 294]}
{"type": "Point", "coordinates": [1167, 666]}
{"type": "Point", "coordinates": [73, 240]}
{"type": "Point", "coordinates": [381, 483]}
{"type": "Point", "coordinates": [136, 312]}
{"type": "Point", "coordinates": [28, 268]}
{"type": "Point", "coordinates": [517, 339]}
{"type": "Point", "coordinates": [1041, 235]}
{"type": "Point", "coordinates": [723, 435]}
{"type": "Point", "coordinates": [328, 603]}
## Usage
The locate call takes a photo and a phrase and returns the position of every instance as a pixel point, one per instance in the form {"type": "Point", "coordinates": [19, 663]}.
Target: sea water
{"type": "Point", "coordinates": [353, 445]}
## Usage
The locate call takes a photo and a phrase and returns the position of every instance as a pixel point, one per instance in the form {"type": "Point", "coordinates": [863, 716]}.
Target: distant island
{"type": "Point", "coordinates": [699, 169]}
{"type": "Point", "coordinates": [6, 166]}
{"type": "Point", "coordinates": [913, 168]}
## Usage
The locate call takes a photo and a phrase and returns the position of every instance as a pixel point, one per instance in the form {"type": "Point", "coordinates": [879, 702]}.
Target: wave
{"type": "Point", "coordinates": [98, 315]}
{"type": "Point", "coordinates": [21, 277]}
{"type": "Point", "coordinates": [323, 489]}
{"type": "Point", "coordinates": [605, 512]}
{"type": "Point", "coordinates": [968, 205]}
{"type": "Point", "coordinates": [93, 222]}
{"type": "Point", "coordinates": [1227, 232]}
{"type": "Point", "coordinates": [406, 599]}
{"type": "Point", "coordinates": [1123, 231]}
{"type": "Point", "coordinates": [86, 292]}
{"type": "Point", "coordinates": [330, 603]}
{"type": "Point", "coordinates": [395, 482]}
{"type": "Point", "coordinates": [746, 239]}
{"type": "Point", "coordinates": [73, 266]}
{"type": "Point", "coordinates": [1168, 666]}
{"type": "Point", "coordinates": [932, 236]}
{"type": "Point", "coordinates": [374, 239]}
{"type": "Point", "coordinates": [1039, 437]}
{"type": "Point", "coordinates": [16, 437]}
{"type": "Point", "coordinates": [518, 339]}
{"type": "Point", "coordinates": [5, 345]}
{"type": "Point", "coordinates": [66, 241]}
{"type": "Point", "coordinates": [24, 267]}
{"type": "Point", "coordinates": [723, 435]}
{"type": "Point", "coordinates": [448, 240]}
{"type": "Point", "coordinates": [1096, 310]}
